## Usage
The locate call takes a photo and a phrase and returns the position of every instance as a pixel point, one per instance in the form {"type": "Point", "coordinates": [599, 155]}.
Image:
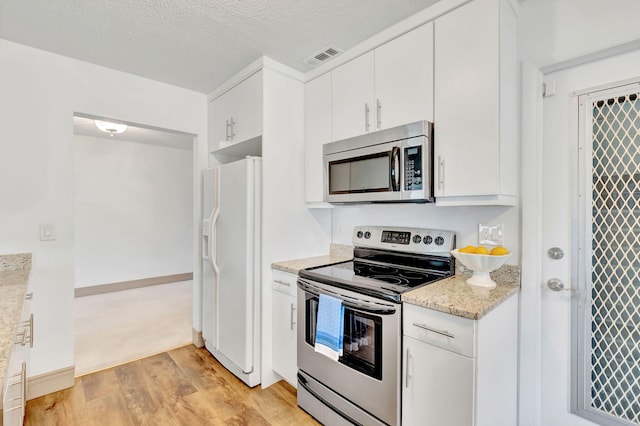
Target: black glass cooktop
{"type": "Point", "coordinates": [379, 280]}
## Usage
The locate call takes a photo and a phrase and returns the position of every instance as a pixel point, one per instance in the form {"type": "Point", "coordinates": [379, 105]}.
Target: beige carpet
{"type": "Point", "coordinates": [114, 328]}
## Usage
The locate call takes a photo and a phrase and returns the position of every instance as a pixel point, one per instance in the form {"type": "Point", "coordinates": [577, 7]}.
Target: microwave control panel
{"type": "Point", "coordinates": [413, 168]}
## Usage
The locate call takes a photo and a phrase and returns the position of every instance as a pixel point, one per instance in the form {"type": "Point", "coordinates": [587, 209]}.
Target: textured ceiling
{"type": "Point", "coordinates": [196, 44]}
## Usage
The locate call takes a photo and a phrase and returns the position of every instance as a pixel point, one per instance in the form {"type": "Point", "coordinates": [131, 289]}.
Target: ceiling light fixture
{"type": "Point", "coordinates": [109, 127]}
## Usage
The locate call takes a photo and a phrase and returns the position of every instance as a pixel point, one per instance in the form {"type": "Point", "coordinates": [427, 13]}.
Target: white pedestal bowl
{"type": "Point", "coordinates": [481, 265]}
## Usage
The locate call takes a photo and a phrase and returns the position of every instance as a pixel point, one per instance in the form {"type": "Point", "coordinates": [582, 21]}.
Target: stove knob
{"type": "Point", "coordinates": [428, 239]}
{"type": "Point", "coordinates": [439, 241]}
{"type": "Point", "coordinates": [359, 234]}
{"type": "Point", "coordinates": [417, 239]}
{"type": "Point", "coordinates": [367, 235]}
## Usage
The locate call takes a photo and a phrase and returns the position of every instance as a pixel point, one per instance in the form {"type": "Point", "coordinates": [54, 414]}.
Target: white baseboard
{"type": "Point", "coordinates": [47, 383]}
{"type": "Point", "coordinates": [196, 338]}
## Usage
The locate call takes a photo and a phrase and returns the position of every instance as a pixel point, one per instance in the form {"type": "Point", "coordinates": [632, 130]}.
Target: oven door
{"type": "Point", "coordinates": [367, 374]}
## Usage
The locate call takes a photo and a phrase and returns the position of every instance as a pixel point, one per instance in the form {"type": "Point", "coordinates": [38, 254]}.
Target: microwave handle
{"type": "Point", "coordinates": [394, 169]}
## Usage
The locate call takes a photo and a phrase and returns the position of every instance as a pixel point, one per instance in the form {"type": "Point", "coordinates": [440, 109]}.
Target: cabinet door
{"type": "Point", "coordinates": [241, 107]}
{"type": "Point", "coordinates": [466, 120]}
{"type": "Point", "coordinates": [404, 79]}
{"type": "Point", "coordinates": [437, 386]}
{"type": "Point", "coordinates": [285, 359]}
{"type": "Point", "coordinates": [352, 104]}
{"type": "Point", "coordinates": [246, 108]}
{"type": "Point", "coordinates": [317, 131]}
{"type": "Point", "coordinates": [218, 113]}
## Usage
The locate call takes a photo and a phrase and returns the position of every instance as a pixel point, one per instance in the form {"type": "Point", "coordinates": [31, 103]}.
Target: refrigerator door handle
{"type": "Point", "coordinates": [212, 240]}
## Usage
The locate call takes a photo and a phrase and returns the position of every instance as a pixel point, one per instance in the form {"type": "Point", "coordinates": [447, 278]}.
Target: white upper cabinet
{"type": "Point", "coordinates": [236, 115]}
{"type": "Point", "coordinates": [352, 93]}
{"type": "Point", "coordinates": [387, 87]}
{"type": "Point", "coordinates": [404, 79]}
{"type": "Point", "coordinates": [317, 132]}
{"type": "Point", "coordinates": [475, 120]}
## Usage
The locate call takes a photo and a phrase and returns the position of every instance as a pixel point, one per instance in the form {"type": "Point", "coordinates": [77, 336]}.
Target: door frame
{"type": "Point", "coordinates": [531, 184]}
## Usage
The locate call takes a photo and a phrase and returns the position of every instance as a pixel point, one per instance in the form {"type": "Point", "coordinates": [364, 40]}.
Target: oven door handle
{"type": "Point", "coordinates": [361, 305]}
{"type": "Point", "coordinates": [394, 169]}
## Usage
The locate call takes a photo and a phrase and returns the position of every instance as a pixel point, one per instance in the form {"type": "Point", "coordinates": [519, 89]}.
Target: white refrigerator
{"type": "Point", "coordinates": [231, 266]}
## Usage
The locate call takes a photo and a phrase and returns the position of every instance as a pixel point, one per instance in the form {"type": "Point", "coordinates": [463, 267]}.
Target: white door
{"type": "Point", "coordinates": [562, 191]}
{"type": "Point", "coordinates": [234, 258]}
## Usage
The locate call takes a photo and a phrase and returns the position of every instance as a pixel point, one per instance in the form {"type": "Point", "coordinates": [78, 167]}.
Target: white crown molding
{"type": "Point", "coordinates": [414, 21]}
{"type": "Point", "coordinates": [251, 69]}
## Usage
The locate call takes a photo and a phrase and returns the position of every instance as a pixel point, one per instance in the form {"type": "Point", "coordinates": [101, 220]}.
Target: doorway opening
{"type": "Point", "coordinates": [133, 241]}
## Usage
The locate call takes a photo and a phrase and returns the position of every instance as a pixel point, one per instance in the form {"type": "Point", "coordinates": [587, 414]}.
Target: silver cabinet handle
{"type": "Point", "coordinates": [28, 296]}
{"type": "Point", "coordinates": [292, 313]}
{"type": "Point", "coordinates": [26, 335]}
{"type": "Point", "coordinates": [226, 133]}
{"type": "Point", "coordinates": [441, 332]}
{"type": "Point", "coordinates": [408, 365]}
{"type": "Point", "coordinates": [229, 130]}
{"type": "Point", "coordinates": [379, 114]}
{"type": "Point", "coordinates": [440, 172]}
{"type": "Point", "coordinates": [282, 282]}
{"type": "Point", "coordinates": [232, 134]}
{"type": "Point", "coordinates": [366, 117]}
{"type": "Point", "coordinates": [30, 324]}
{"type": "Point", "coordinates": [23, 388]}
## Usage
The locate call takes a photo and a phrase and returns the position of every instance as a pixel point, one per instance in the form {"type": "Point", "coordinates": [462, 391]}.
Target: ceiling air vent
{"type": "Point", "coordinates": [323, 55]}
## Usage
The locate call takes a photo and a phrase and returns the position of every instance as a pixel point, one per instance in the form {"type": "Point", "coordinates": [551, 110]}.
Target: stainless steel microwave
{"type": "Point", "coordinates": [392, 165]}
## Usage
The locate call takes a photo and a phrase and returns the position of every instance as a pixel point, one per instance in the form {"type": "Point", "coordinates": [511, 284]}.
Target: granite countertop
{"type": "Point", "coordinates": [14, 273]}
{"type": "Point", "coordinates": [454, 296]}
{"type": "Point", "coordinates": [337, 253]}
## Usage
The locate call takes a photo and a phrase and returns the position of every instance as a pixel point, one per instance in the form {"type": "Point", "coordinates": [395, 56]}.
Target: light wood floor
{"type": "Point", "coordinates": [185, 386]}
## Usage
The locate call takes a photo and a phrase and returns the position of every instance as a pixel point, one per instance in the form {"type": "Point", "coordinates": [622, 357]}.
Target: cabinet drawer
{"type": "Point", "coordinates": [437, 328]}
{"type": "Point", "coordinates": [284, 282]}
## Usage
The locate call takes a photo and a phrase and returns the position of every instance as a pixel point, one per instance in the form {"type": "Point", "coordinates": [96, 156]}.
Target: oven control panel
{"type": "Point", "coordinates": [412, 240]}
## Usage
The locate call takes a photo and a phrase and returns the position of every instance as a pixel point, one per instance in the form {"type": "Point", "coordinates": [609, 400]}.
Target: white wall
{"type": "Point", "coordinates": [290, 230]}
{"type": "Point", "coordinates": [133, 210]}
{"type": "Point", "coordinates": [553, 31]}
{"type": "Point", "coordinates": [463, 220]}
{"type": "Point", "coordinates": [39, 92]}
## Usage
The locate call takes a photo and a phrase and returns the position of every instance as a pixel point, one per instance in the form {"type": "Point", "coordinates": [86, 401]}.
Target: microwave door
{"type": "Point", "coordinates": [364, 175]}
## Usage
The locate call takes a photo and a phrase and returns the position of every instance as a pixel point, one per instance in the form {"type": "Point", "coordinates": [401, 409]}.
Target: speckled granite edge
{"type": "Point", "coordinates": [14, 274]}
{"type": "Point", "coordinates": [341, 250]}
{"type": "Point", "coordinates": [295, 265]}
{"type": "Point", "coordinates": [454, 296]}
{"type": "Point", "coordinates": [15, 261]}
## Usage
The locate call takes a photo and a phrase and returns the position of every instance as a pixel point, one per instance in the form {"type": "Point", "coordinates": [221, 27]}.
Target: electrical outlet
{"type": "Point", "coordinates": [47, 232]}
{"type": "Point", "coordinates": [490, 234]}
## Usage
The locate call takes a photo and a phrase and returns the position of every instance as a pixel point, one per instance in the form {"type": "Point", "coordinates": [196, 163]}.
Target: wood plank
{"type": "Point", "coordinates": [98, 385]}
{"type": "Point", "coordinates": [185, 386]}
{"type": "Point", "coordinates": [165, 374]}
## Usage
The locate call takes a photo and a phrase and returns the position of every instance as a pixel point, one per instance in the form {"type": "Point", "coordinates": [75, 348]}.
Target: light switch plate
{"type": "Point", "coordinates": [490, 234]}
{"type": "Point", "coordinates": [47, 232]}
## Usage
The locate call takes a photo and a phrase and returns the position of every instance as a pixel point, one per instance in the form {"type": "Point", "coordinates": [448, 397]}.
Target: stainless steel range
{"type": "Point", "coordinates": [363, 386]}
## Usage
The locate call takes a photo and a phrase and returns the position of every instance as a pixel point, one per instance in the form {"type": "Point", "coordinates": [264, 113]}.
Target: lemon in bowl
{"type": "Point", "coordinates": [482, 262]}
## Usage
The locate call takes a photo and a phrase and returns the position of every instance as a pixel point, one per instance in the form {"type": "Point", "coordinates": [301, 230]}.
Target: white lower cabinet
{"type": "Point", "coordinates": [14, 387]}
{"type": "Point", "coordinates": [457, 371]}
{"type": "Point", "coordinates": [438, 391]}
{"type": "Point", "coordinates": [285, 359]}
